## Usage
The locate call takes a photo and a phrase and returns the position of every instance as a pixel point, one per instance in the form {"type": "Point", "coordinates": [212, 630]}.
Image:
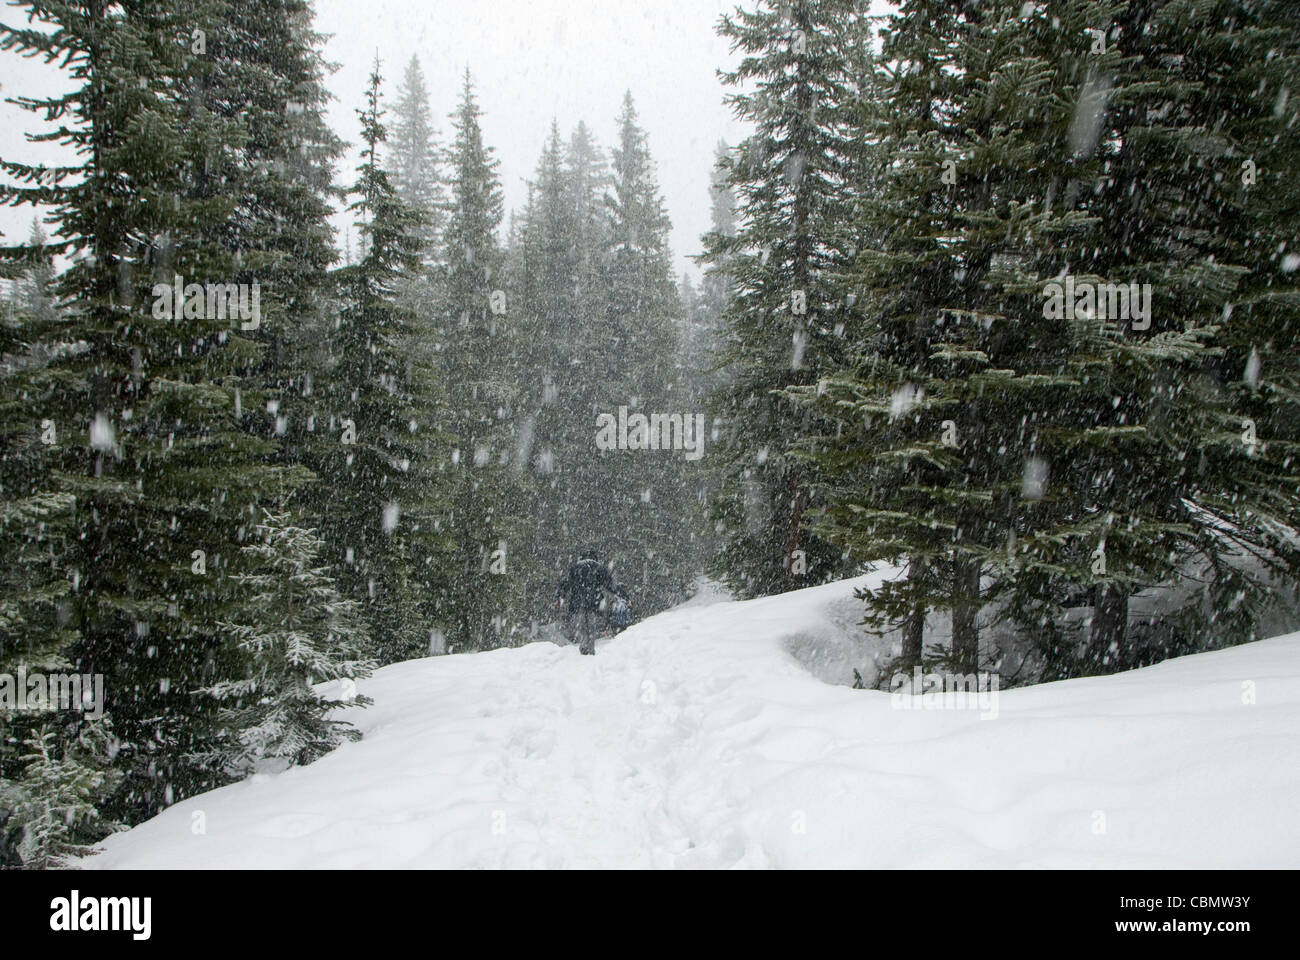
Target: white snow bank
{"type": "Point", "coordinates": [696, 739]}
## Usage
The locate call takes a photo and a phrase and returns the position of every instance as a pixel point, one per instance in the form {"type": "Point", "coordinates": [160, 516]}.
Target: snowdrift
{"type": "Point", "coordinates": [702, 738]}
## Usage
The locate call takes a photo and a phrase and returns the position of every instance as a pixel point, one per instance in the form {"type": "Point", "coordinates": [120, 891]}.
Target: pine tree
{"type": "Point", "coordinates": [34, 288]}
{"type": "Point", "coordinates": [1249, 66]}
{"type": "Point", "coordinates": [1163, 491]}
{"type": "Point", "coordinates": [704, 342]}
{"type": "Point", "coordinates": [269, 73]}
{"type": "Point", "coordinates": [164, 462]}
{"type": "Point", "coordinates": [480, 604]}
{"type": "Point", "coordinates": [587, 177]}
{"type": "Point", "coordinates": [554, 347]}
{"type": "Point", "coordinates": [1185, 495]}
{"type": "Point", "coordinates": [415, 159]}
{"type": "Point", "coordinates": [1016, 455]}
{"type": "Point", "coordinates": [640, 335]}
{"type": "Point", "coordinates": [298, 631]}
{"type": "Point", "coordinates": [384, 407]}
{"type": "Point", "coordinates": [715, 288]}
{"type": "Point", "coordinates": [956, 399]}
{"type": "Point", "coordinates": [798, 79]}
{"type": "Point", "coordinates": [52, 774]}
{"type": "Point", "coordinates": [53, 814]}
{"type": "Point", "coordinates": [35, 514]}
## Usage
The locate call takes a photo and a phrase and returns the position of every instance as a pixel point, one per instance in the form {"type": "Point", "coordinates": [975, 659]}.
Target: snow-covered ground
{"type": "Point", "coordinates": [700, 738]}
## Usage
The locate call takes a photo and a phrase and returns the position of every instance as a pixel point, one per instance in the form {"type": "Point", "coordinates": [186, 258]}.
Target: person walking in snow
{"type": "Point", "coordinates": [581, 593]}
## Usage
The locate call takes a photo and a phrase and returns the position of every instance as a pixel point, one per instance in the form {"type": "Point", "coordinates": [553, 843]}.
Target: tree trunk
{"type": "Point", "coordinates": [965, 605]}
{"type": "Point", "coordinates": [797, 490]}
{"type": "Point", "coordinates": [793, 539]}
{"type": "Point", "coordinates": [914, 625]}
{"type": "Point", "coordinates": [1109, 626]}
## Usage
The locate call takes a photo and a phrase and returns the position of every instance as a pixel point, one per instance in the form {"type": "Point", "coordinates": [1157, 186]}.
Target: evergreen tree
{"type": "Point", "coordinates": [268, 73]}
{"type": "Point", "coordinates": [937, 444]}
{"type": "Point", "coordinates": [554, 347]}
{"type": "Point", "coordinates": [1193, 494]}
{"type": "Point", "coordinates": [791, 177]}
{"type": "Point", "coordinates": [587, 176]}
{"type": "Point", "coordinates": [52, 814]}
{"type": "Point", "coordinates": [480, 604]}
{"type": "Point", "coordinates": [1012, 453]}
{"type": "Point", "coordinates": [384, 407]}
{"type": "Point", "coordinates": [715, 289]}
{"type": "Point", "coordinates": [34, 287]}
{"type": "Point", "coordinates": [298, 631]}
{"type": "Point", "coordinates": [1260, 367]}
{"type": "Point", "coordinates": [417, 170]}
{"type": "Point", "coordinates": [52, 774]}
{"type": "Point", "coordinates": [703, 346]}
{"type": "Point", "coordinates": [165, 464]}
{"type": "Point", "coordinates": [641, 335]}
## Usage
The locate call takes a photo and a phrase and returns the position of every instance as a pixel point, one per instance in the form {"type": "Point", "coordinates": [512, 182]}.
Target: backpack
{"type": "Point", "coordinates": [586, 578]}
{"type": "Point", "coordinates": [621, 613]}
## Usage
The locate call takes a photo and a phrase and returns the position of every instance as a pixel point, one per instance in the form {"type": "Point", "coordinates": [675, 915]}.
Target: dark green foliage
{"type": "Point", "coordinates": [379, 435]}
{"type": "Point", "coordinates": [1020, 460]}
{"type": "Point", "coordinates": [479, 607]}
{"type": "Point", "coordinates": [796, 83]}
{"type": "Point", "coordinates": [191, 164]}
{"type": "Point", "coordinates": [297, 631]}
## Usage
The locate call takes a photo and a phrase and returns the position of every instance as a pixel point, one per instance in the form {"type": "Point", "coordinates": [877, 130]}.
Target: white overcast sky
{"type": "Point", "coordinates": [571, 60]}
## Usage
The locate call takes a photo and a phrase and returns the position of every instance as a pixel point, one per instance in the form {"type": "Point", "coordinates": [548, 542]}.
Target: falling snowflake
{"type": "Point", "coordinates": [1252, 369]}
{"type": "Point", "coordinates": [1033, 484]}
{"type": "Point", "coordinates": [102, 435]}
{"type": "Point", "coordinates": [904, 399]}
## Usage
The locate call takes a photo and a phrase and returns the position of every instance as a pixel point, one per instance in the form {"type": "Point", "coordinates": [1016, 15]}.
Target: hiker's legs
{"type": "Point", "coordinates": [587, 632]}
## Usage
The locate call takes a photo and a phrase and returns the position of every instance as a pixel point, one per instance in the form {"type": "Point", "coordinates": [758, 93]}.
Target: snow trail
{"type": "Point", "coordinates": [696, 739]}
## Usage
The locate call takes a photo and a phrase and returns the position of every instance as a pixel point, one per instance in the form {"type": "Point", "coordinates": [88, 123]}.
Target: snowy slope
{"type": "Point", "coordinates": [696, 739]}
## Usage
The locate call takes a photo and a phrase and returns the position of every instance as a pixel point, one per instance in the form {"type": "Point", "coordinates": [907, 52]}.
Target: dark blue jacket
{"type": "Point", "coordinates": [585, 584]}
